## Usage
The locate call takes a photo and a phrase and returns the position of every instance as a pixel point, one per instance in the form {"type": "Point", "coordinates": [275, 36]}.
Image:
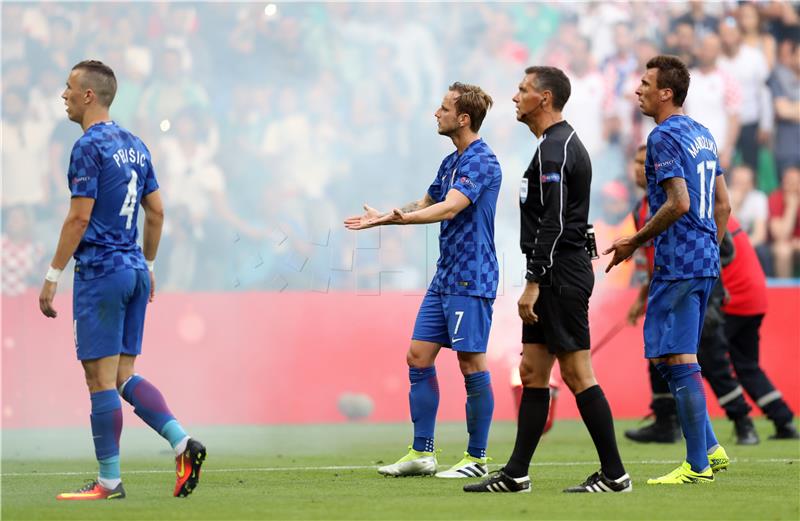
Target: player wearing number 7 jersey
{"type": "Point", "coordinates": [690, 207]}
{"type": "Point", "coordinates": [110, 175]}
{"type": "Point", "coordinates": [457, 309]}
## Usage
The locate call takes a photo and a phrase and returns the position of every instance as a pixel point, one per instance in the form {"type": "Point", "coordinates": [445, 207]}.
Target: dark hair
{"type": "Point", "coordinates": [554, 80]}
{"type": "Point", "coordinates": [473, 102]}
{"type": "Point", "coordinates": [672, 74]}
{"type": "Point", "coordinates": [100, 78]}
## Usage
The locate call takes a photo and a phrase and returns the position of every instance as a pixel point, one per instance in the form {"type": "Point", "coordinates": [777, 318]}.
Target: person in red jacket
{"type": "Point", "coordinates": [743, 313]}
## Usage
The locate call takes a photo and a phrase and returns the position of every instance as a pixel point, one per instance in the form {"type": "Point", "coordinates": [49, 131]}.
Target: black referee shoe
{"type": "Point", "coordinates": [499, 481]}
{"type": "Point", "coordinates": [597, 482]}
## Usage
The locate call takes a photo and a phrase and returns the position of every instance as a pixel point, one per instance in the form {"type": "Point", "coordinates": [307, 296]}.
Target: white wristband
{"type": "Point", "coordinates": [52, 274]}
{"type": "Point", "coordinates": [151, 265]}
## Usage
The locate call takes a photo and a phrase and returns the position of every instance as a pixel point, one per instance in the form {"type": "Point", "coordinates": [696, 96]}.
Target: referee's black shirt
{"type": "Point", "coordinates": [554, 199]}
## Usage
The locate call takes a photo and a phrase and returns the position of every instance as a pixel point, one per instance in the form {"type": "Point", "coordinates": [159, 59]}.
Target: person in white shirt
{"type": "Point", "coordinates": [749, 67]}
{"type": "Point", "coordinates": [714, 99]}
{"type": "Point", "coordinates": [750, 207]}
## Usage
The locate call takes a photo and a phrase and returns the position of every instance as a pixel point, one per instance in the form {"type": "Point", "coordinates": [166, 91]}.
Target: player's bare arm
{"type": "Point", "coordinates": [676, 206]}
{"type": "Point", "coordinates": [413, 206]}
{"type": "Point", "coordinates": [75, 224]}
{"type": "Point", "coordinates": [446, 210]}
{"type": "Point", "coordinates": [151, 235]}
{"type": "Point", "coordinates": [722, 207]}
{"type": "Point", "coordinates": [371, 216]}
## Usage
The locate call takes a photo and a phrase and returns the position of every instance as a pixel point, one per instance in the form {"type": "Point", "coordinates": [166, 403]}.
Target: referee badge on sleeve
{"type": "Point", "coordinates": [523, 190]}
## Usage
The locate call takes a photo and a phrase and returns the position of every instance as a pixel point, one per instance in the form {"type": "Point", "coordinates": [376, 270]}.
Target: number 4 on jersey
{"type": "Point", "coordinates": [129, 205]}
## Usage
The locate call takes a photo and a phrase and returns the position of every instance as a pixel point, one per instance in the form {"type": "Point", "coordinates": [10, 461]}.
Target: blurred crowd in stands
{"type": "Point", "coordinates": [268, 124]}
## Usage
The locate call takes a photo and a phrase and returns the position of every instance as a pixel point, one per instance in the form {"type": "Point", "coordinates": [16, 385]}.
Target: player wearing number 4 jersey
{"type": "Point", "coordinates": [690, 207]}
{"type": "Point", "coordinates": [457, 309]}
{"type": "Point", "coordinates": [110, 175]}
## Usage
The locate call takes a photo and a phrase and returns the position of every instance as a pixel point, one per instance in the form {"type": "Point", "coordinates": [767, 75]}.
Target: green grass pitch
{"type": "Point", "coordinates": [328, 472]}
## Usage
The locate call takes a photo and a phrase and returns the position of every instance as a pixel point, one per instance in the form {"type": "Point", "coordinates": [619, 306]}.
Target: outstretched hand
{"type": "Point", "coordinates": [623, 248]}
{"type": "Point", "coordinates": [361, 222]}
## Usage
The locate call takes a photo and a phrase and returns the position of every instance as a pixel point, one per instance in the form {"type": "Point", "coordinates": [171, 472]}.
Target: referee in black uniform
{"type": "Point", "coordinates": [554, 205]}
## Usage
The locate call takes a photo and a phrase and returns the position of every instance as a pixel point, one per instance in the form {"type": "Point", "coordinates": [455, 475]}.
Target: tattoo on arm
{"type": "Point", "coordinates": [413, 206]}
{"type": "Point", "coordinates": [410, 207]}
{"type": "Point", "coordinates": [668, 213]}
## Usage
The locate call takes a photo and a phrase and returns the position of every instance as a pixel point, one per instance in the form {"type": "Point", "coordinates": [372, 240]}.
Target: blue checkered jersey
{"type": "Point", "coordinates": [467, 262]}
{"type": "Point", "coordinates": [681, 147]}
{"type": "Point", "coordinates": [113, 167]}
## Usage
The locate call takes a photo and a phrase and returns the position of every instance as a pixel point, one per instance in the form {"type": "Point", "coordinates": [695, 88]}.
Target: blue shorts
{"type": "Point", "coordinates": [108, 314]}
{"type": "Point", "coordinates": [459, 322]}
{"type": "Point", "coordinates": [675, 313]}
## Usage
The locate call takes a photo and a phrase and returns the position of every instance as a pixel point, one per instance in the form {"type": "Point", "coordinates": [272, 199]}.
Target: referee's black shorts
{"type": "Point", "coordinates": [563, 305]}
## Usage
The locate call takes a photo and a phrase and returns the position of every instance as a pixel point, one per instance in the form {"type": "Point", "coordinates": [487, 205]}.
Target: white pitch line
{"type": "Point", "coordinates": [362, 467]}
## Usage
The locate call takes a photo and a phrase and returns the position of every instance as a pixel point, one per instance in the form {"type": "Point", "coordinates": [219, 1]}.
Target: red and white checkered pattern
{"type": "Point", "coordinates": [19, 259]}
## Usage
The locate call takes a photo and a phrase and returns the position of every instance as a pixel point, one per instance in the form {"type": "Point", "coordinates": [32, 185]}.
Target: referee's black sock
{"type": "Point", "coordinates": [596, 416]}
{"type": "Point", "coordinates": [532, 417]}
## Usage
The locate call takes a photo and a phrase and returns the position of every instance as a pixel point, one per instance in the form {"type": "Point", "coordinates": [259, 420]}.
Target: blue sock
{"type": "Point", "coordinates": [106, 421]}
{"type": "Point", "coordinates": [686, 385]}
{"type": "Point", "coordinates": [711, 438]}
{"type": "Point", "coordinates": [423, 399]}
{"type": "Point", "coordinates": [480, 405]}
{"type": "Point", "coordinates": [150, 406]}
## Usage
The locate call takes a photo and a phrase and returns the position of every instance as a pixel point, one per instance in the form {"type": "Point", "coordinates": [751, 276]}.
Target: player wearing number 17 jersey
{"type": "Point", "coordinates": [110, 175]}
{"type": "Point", "coordinates": [690, 207]}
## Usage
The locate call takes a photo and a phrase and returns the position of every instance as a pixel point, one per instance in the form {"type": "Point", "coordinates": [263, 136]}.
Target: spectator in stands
{"type": "Point", "coordinates": [171, 90]}
{"type": "Point", "coordinates": [24, 152]}
{"type": "Point", "coordinates": [784, 223]}
{"type": "Point", "coordinates": [753, 34]}
{"type": "Point", "coordinates": [702, 22]}
{"type": "Point", "coordinates": [715, 99]}
{"type": "Point", "coordinates": [558, 51]}
{"type": "Point", "coordinates": [681, 42]}
{"type": "Point", "coordinates": [197, 192]}
{"type": "Point", "coordinates": [616, 70]}
{"type": "Point", "coordinates": [785, 87]}
{"type": "Point", "coordinates": [589, 102]}
{"type": "Point", "coordinates": [749, 67]}
{"type": "Point", "coordinates": [783, 19]}
{"type": "Point", "coordinates": [749, 205]}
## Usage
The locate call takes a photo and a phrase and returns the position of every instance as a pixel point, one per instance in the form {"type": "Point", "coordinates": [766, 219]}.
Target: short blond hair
{"type": "Point", "coordinates": [472, 101]}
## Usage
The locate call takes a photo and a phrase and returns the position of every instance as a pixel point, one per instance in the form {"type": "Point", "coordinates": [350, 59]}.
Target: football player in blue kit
{"type": "Point", "coordinates": [110, 175]}
{"type": "Point", "coordinates": [457, 309]}
{"type": "Point", "coordinates": [690, 207]}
